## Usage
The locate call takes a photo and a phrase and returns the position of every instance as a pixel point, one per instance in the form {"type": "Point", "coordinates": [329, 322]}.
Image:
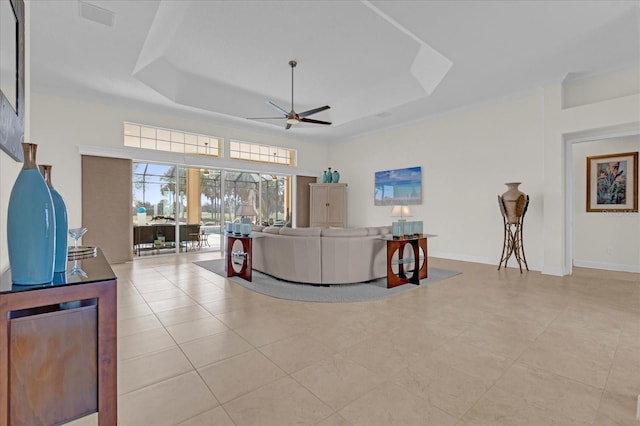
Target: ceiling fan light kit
{"type": "Point", "coordinates": [292, 117]}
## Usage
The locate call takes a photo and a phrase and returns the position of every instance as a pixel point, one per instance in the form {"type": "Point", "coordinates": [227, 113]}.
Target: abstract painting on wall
{"type": "Point", "coordinates": [398, 187]}
{"type": "Point", "coordinates": [612, 183]}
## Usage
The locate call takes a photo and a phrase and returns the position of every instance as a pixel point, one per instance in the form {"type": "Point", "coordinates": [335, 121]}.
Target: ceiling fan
{"type": "Point", "coordinates": [292, 117]}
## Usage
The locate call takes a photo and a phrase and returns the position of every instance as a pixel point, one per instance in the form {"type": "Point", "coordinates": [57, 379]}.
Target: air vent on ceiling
{"type": "Point", "coordinates": [96, 14]}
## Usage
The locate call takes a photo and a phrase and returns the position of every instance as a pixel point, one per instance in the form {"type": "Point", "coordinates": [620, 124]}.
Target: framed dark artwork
{"type": "Point", "coordinates": [398, 187]}
{"type": "Point", "coordinates": [612, 183]}
{"type": "Point", "coordinates": [12, 77]}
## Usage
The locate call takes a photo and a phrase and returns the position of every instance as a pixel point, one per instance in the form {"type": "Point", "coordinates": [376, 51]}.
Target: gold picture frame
{"type": "Point", "coordinates": [612, 183]}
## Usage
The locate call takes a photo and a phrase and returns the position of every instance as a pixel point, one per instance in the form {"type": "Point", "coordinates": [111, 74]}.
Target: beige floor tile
{"type": "Point", "coordinates": [339, 335]}
{"type": "Point", "coordinates": [338, 380]}
{"type": "Point", "coordinates": [233, 377]}
{"type": "Point", "coordinates": [295, 353]}
{"type": "Point", "coordinates": [229, 304]}
{"type": "Point", "coordinates": [475, 325]}
{"type": "Point", "coordinates": [180, 315]}
{"type": "Point", "coordinates": [501, 408]}
{"type": "Point", "coordinates": [133, 311]}
{"type": "Point", "coordinates": [144, 342]}
{"type": "Point", "coordinates": [152, 286]}
{"type": "Point", "coordinates": [442, 386]}
{"type": "Point", "coordinates": [137, 324]}
{"type": "Point", "coordinates": [169, 293]}
{"type": "Point", "coordinates": [283, 402]}
{"type": "Point", "coordinates": [558, 395]}
{"type": "Point", "coordinates": [138, 372]}
{"type": "Point", "coordinates": [502, 336]}
{"type": "Point", "coordinates": [216, 417]}
{"type": "Point", "coordinates": [130, 299]}
{"type": "Point", "coordinates": [196, 329]}
{"type": "Point", "coordinates": [476, 362]}
{"type": "Point", "coordinates": [570, 355]}
{"type": "Point", "coordinates": [393, 405]}
{"type": "Point", "coordinates": [604, 322]}
{"type": "Point", "coordinates": [421, 337]}
{"type": "Point", "coordinates": [384, 353]}
{"type": "Point", "coordinates": [166, 403]}
{"type": "Point", "coordinates": [624, 376]}
{"type": "Point", "coordinates": [215, 348]}
{"type": "Point", "coordinates": [630, 335]}
{"type": "Point", "coordinates": [169, 304]}
{"type": "Point", "coordinates": [90, 420]}
{"type": "Point", "coordinates": [335, 420]}
{"type": "Point", "coordinates": [617, 409]}
{"type": "Point", "coordinates": [268, 332]}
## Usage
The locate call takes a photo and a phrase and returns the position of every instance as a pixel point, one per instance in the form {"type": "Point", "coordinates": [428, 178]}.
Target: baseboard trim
{"type": "Point", "coordinates": [606, 266]}
{"type": "Point", "coordinates": [478, 259]}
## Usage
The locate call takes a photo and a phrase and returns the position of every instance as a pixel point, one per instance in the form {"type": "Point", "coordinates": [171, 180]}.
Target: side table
{"type": "Point", "coordinates": [417, 255]}
{"type": "Point", "coordinates": [238, 262]}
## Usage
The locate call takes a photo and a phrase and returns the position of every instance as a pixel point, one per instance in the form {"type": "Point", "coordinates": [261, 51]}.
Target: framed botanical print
{"type": "Point", "coordinates": [612, 183]}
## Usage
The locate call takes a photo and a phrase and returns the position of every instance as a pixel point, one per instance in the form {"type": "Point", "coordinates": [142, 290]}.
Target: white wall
{"type": "Point", "coordinates": [466, 158]}
{"type": "Point", "coordinates": [603, 240]}
{"type": "Point", "coordinates": [60, 125]}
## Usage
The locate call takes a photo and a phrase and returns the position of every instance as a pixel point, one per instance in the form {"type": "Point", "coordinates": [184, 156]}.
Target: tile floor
{"type": "Point", "coordinates": [485, 347]}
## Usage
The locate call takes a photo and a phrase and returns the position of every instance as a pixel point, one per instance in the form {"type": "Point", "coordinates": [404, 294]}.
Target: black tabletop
{"type": "Point", "coordinates": [81, 271]}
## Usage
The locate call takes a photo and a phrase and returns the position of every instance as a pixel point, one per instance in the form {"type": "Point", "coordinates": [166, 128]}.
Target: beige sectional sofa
{"type": "Point", "coordinates": [321, 255]}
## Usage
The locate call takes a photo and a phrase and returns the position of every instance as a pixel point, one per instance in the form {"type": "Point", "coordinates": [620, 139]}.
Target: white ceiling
{"type": "Point", "coordinates": [377, 64]}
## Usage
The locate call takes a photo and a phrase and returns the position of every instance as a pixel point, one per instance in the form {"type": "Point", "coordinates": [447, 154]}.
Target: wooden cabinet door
{"type": "Point", "coordinates": [319, 205]}
{"type": "Point", "coordinates": [337, 208]}
{"type": "Point", "coordinates": [328, 204]}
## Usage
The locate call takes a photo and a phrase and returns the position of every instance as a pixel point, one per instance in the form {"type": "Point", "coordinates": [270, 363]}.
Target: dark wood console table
{"type": "Point", "coordinates": [58, 349]}
{"type": "Point", "coordinates": [418, 270]}
{"type": "Point", "coordinates": [243, 258]}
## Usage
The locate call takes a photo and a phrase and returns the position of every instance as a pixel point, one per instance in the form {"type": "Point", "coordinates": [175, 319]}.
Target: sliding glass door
{"type": "Point", "coordinates": [198, 202]}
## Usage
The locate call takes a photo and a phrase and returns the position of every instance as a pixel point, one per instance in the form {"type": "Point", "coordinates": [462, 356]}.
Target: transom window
{"type": "Point", "coordinates": [160, 139]}
{"type": "Point", "coordinates": [250, 151]}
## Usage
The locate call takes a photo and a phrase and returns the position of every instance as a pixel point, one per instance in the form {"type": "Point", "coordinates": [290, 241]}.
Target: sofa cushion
{"type": "Point", "coordinates": [271, 230]}
{"type": "Point", "coordinates": [344, 232]}
{"type": "Point", "coordinates": [301, 232]}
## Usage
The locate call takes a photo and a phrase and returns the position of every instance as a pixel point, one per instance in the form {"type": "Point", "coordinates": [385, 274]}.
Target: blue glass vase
{"type": "Point", "coordinates": [326, 177]}
{"type": "Point", "coordinates": [62, 222]}
{"type": "Point", "coordinates": [31, 225]}
{"type": "Point", "coordinates": [335, 177]}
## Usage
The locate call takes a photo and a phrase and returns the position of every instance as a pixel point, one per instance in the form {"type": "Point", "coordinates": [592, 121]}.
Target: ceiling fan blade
{"type": "Point", "coordinates": [313, 111]}
{"type": "Point", "coordinates": [265, 118]}
{"type": "Point", "coordinates": [309, 120]}
{"type": "Point", "coordinates": [277, 108]}
{"type": "Point", "coordinates": [288, 126]}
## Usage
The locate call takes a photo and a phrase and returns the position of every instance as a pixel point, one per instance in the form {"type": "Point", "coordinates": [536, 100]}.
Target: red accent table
{"type": "Point", "coordinates": [242, 258]}
{"type": "Point", "coordinates": [419, 271]}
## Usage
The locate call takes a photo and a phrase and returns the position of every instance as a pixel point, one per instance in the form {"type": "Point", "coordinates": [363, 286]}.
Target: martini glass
{"type": "Point", "coordinates": [76, 234]}
{"type": "Point", "coordinates": [77, 269]}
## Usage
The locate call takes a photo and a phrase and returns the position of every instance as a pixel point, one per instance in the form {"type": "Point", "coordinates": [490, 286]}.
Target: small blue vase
{"type": "Point", "coordinates": [326, 177]}
{"type": "Point", "coordinates": [335, 177]}
{"type": "Point", "coordinates": [31, 227]}
{"type": "Point", "coordinates": [62, 222]}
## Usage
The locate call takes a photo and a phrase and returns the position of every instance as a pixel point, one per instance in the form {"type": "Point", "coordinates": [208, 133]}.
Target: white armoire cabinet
{"type": "Point", "coordinates": [328, 206]}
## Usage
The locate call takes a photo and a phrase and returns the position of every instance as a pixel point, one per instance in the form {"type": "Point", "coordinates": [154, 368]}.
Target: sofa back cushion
{"type": "Point", "coordinates": [344, 232]}
{"type": "Point", "coordinates": [301, 232]}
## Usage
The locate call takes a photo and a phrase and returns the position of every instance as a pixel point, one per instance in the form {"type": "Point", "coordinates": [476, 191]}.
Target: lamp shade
{"type": "Point", "coordinates": [246, 210]}
{"type": "Point", "coordinates": [401, 211]}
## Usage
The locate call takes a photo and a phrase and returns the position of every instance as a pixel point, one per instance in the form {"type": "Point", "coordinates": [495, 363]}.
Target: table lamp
{"type": "Point", "coordinates": [401, 212]}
